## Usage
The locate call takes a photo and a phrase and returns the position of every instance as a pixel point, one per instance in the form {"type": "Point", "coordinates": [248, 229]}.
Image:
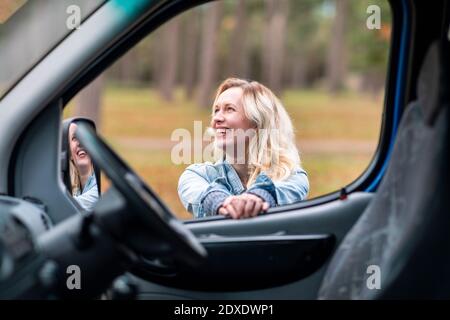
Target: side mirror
{"type": "Point", "coordinates": [66, 153]}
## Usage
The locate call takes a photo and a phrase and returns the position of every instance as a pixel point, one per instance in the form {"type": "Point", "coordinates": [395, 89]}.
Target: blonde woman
{"type": "Point", "coordinates": [257, 163]}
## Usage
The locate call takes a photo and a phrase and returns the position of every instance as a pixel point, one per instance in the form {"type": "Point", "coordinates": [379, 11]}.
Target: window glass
{"type": "Point", "coordinates": [30, 29]}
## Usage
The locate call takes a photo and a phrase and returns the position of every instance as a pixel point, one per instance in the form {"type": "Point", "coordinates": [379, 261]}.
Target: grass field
{"type": "Point", "coordinates": [336, 135]}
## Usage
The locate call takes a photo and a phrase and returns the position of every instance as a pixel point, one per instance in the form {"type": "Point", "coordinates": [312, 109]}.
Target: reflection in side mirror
{"type": "Point", "coordinates": [80, 175]}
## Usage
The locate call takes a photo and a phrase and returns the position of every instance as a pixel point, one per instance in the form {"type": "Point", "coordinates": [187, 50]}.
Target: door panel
{"type": "Point", "coordinates": [251, 263]}
{"type": "Point", "coordinates": [314, 231]}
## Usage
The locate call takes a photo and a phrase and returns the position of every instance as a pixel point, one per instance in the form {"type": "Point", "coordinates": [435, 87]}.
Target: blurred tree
{"type": "Point", "coordinates": [89, 101]}
{"type": "Point", "coordinates": [190, 50]}
{"type": "Point", "coordinates": [127, 67]}
{"type": "Point", "coordinates": [146, 55]}
{"type": "Point", "coordinates": [274, 42]}
{"type": "Point", "coordinates": [212, 15]}
{"type": "Point", "coordinates": [371, 58]}
{"type": "Point", "coordinates": [337, 53]}
{"type": "Point", "coordinates": [304, 43]}
{"type": "Point", "coordinates": [302, 46]}
{"type": "Point", "coordinates": [156, 51]}
{"type": "Point", "coordinates": [238, 52]}
{"type": "Point", "coordinates": [169, 61]}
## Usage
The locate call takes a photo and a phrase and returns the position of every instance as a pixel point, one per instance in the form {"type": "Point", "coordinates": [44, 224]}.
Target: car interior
{"type": "Point", "coordinates": [394, 216]}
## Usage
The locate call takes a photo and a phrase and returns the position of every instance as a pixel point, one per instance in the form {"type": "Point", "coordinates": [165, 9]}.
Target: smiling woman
{"type": "Point", "coordinates": [258, 165]}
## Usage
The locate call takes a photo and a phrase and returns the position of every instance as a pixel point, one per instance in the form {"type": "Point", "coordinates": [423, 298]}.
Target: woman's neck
{"type": "Point", "coordinates": [239, 164]}
{"type": "Point", "coordinates": [84, 176]}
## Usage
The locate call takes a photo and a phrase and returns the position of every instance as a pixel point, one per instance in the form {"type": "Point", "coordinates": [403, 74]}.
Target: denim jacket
{"type": "Point", "coordinates": [203, 187]}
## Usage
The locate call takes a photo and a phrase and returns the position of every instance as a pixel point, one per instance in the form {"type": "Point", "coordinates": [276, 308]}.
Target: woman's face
{"type": "Point", "coordinates": [228, 113]}
{"type": "Point", "coordinates": [78, 154]}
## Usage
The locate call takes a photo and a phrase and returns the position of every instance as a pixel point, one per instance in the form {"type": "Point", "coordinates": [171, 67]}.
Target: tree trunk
{"type": "Point", "coordinates": [337, 57]}
{"type": "Point", "coordinates": [170, 60]}
{"type": "Point", "coordinates": [274, 43]}
{"type": "Point", "coordinates": [89, 101]}
{"type": "Point", "coordinates": [238, 54]}
{"type": "Point", "coordinates": [208, 65]}
{"type": "Point", "coordinates": [191, 41]}
{"type": "Point", "coordinates": [127, 67]}
{"type": "Point", "coordinates": [298, 70]}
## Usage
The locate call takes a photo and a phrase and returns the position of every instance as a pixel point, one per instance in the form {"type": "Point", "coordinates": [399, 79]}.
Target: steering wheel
{"type": "Point", "coordinates": [149, 216]}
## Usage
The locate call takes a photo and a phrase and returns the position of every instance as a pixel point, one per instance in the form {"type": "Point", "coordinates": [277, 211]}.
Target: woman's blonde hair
{"type": "Point", "coordinates": [75, 180]}
{"type": "Point", "coordinates": [272, 150]}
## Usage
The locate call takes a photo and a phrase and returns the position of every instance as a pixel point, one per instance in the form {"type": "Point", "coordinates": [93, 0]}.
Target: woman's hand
{"type": "Point", "coordinates": [243, 206]}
